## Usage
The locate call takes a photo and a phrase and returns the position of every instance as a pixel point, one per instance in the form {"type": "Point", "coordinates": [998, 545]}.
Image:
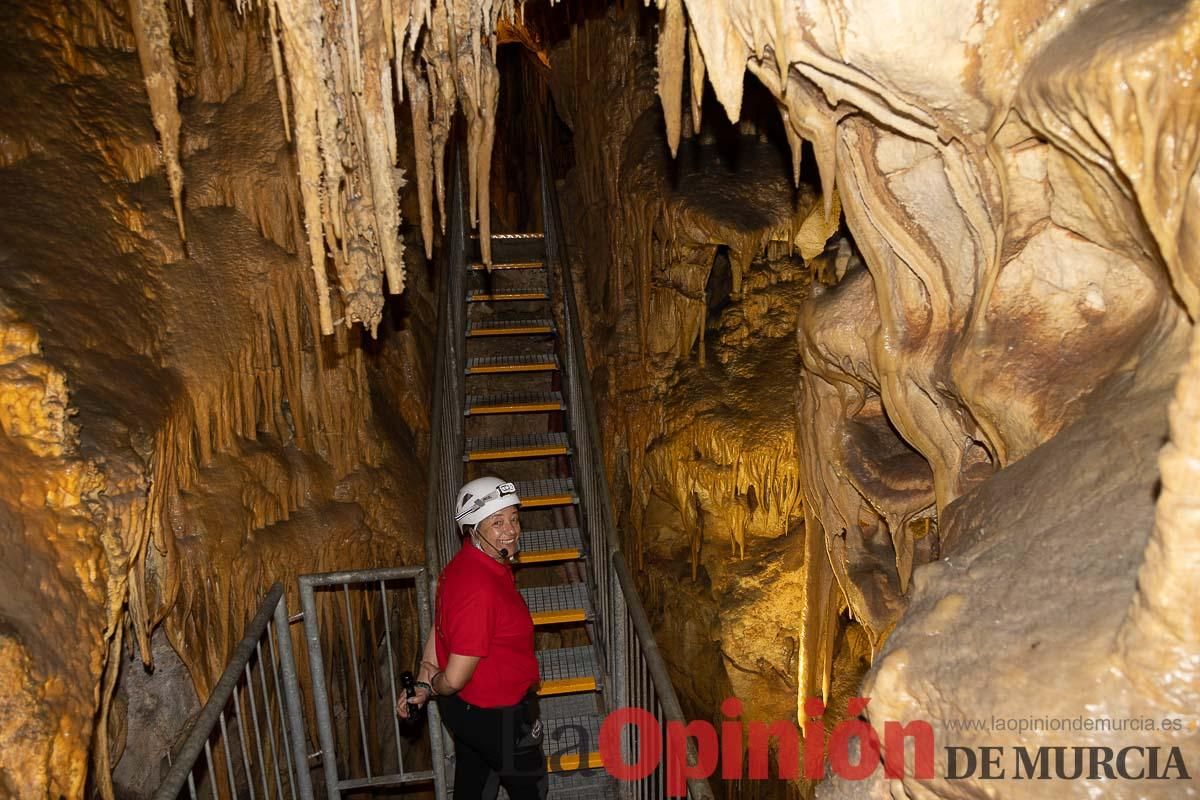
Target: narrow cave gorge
{"type": "Point", "coordinates": [884, 312]}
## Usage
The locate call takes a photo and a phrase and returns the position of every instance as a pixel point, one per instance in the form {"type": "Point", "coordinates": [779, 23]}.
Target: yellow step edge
{"type": "Point", "coordinates": [490, 369]}
{"type": "Point", "coordinates": [567, 686]}
{"type": "Point", "coordinates": [496, 296]}
{"type": "Point", "coordinates": [559, 617]}
{"type": "Point", "coordinates": [542, 556]}
{"type": "Point", "coordinates": [569, 762]}
{"type": "Point", "coordinates": [540, 501]}
{"type": "Point", "coordinates": [514, 331]}
{"type": "Point", "coordinates": [518, 452]}
{"type": "Point", "coordinates": [515, 408]}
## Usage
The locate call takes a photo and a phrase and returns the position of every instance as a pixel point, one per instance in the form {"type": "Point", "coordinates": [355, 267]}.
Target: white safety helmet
{"type": "Point", "coordinates": [482, 497]}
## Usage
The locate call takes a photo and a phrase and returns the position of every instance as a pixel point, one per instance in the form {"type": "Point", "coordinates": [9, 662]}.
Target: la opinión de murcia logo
{"type": "Point", "coordinates": [741, 750]}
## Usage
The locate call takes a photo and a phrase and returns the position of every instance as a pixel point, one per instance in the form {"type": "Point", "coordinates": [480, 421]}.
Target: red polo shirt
{"type": "Point", "coordinates": [481, 613]}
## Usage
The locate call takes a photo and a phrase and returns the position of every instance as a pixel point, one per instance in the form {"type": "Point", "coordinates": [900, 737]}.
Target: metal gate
{"type": "Point", "coordinates": [251, 738]}
{"type": "Point", "coordinates": [357, 650]}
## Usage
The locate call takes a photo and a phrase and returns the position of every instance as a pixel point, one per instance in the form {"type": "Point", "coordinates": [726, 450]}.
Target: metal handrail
{"type": "Point", "coordinates": [446, 419]}
{"type": "Point", "coordinates": [212, 716]}
{"type": "Point", "coordinates": [447, 430]}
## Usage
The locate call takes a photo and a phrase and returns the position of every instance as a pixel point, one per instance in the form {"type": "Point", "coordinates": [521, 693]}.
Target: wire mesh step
{"type": "Point", "coordinates": [590, 784]}
{"type": "Point", "coordinates": [531, 264]}
{"type": "Point", "coordinates": [572, 742]}
{"type": "Point", "coordinates": [551, 605]}
{"type": "Point", "coordinates": [547, 492]}
{"type": "Point", "coordinates": [513, 403]}
{"type": "Point", "coordinates": [572, 745]}
{"type": "Point", "coordinates": [530, 362]}
{"type": "Point", "coordinates": [570, 705]}
{"type": "Point", "coordinates": [515, 236]}
{"type": "Point", "coordinates": [510, 327]}
{"type": "Point", "coordinates": [568, 670]}
{"type": "Point", "coordinates": [533, 445]}
{"type": "Point", "coordinates": [484, 296]}
{"type": "Point", "coordinates": [593, 784]}
{"type": "Point", "coordinates": [551, 544]}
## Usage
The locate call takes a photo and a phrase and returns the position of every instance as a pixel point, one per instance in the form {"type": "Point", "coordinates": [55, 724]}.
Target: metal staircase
{"type": "Point", "coordinates": [516, 426]}
{"type": "Point", "coordinates": [512, 398]}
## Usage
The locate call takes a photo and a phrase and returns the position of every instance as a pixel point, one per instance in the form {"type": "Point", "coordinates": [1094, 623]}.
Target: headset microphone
{"type": "Point", "coordinates": [502, 552]}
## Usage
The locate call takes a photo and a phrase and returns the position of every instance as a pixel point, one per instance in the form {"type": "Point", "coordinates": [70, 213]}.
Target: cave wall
{"type": "Point", "coordinates": [177, 433]}
{"type": "Point", "coordinates": [1019, 179]}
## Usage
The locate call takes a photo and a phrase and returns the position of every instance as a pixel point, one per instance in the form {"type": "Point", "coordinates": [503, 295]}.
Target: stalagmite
{"type": "Point", "coordinates": [152, 29]}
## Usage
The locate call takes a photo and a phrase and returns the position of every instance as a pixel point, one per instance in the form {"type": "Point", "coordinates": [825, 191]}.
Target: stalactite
{"type": "Point", "coordinates": [152, 29]}
{"type": "Point", "coordinates": [670, 69]}
{"type": "Point", "coordinates": [301, 39]}
{"type": "Point", "coordinates": [418, 101]}
{"type": "Point", "coordinates": [338, 67]}
{"type": "Point", "coordinates": [696, 73]}
{"type": "Point", "coordinates": [277, 64]}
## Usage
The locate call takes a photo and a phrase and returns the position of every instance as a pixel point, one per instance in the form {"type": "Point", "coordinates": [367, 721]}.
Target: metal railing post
{"type": "Point", "coordinates": [436, 748]}
{"type": "Point", "coordinates": [316, 672]}
{"type": "Point", "coordinates": [291, 689]}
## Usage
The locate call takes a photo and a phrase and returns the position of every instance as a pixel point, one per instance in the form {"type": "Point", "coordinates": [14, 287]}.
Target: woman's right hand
{"type": "Point", "coordinates": [407, 706]}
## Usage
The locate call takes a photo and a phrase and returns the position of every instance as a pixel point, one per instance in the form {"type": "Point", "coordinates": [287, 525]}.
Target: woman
{"type": "Point", "coordinates": [480, 661]}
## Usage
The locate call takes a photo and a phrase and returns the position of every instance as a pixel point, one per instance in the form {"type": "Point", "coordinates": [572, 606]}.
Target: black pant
{"type": "Point", "coordinates": [491, 743]}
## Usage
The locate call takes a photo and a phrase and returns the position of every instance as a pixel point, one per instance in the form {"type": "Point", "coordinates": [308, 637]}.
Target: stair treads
{"type": "Point", "coordinates": [571, 742]}
{"type": "Point", "coordinates": [510, 327]}
{"type": "Point", "coordinates": [547, 492]}
{"type": "Point", "coordinates": [551, 544]}
{"type": "Point", "coordinates": [570, 705]}
{"type": "Point", "coordinates": [484, 296]}
{"type": "Point", "coordinates": [514, 403]}
{"type": "Point", "coordinates": [534, 264]}
{"type": "Point", "coordinates": [568, 663]}
{"type": "Point", "coordinates": [583, 785]}
{"type": "Point", "coordinates": [550, 605]}
{"type": "Point", "coordinates": [530, 362]}
{"type": "Point", "coordinates": [534, 445]}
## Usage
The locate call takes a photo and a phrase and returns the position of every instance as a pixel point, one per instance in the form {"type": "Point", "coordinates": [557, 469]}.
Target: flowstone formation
{"type": "Point", "coordinates": [695, 268]}
{"type": "Point", "coordinates": [1021, 181]}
